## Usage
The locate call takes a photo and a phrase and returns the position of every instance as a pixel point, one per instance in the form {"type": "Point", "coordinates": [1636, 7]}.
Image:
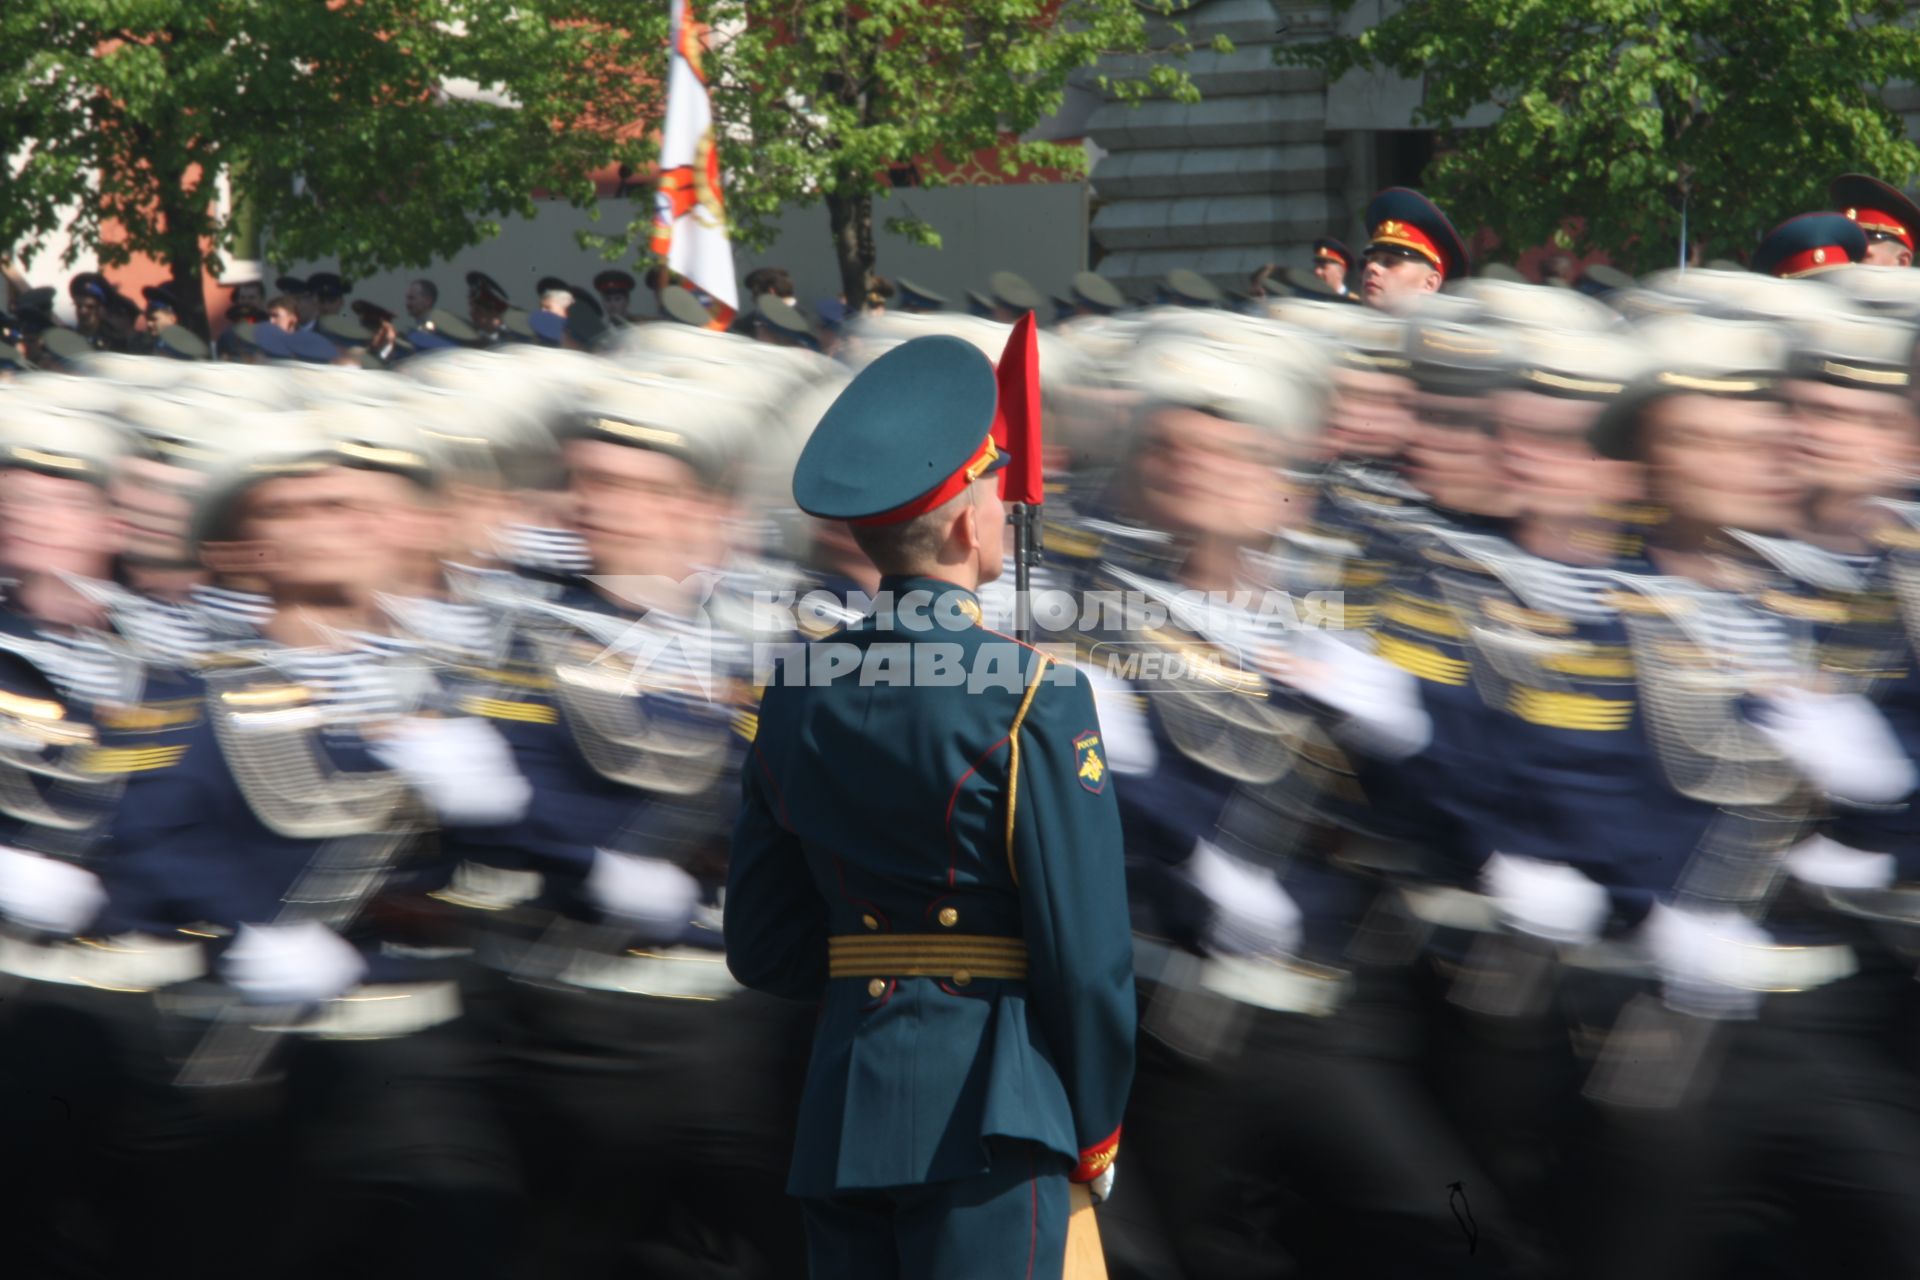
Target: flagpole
{"type": "Point", "coordinates": [1025, 556]}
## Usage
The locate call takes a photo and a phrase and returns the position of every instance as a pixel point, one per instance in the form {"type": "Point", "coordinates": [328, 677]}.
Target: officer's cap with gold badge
{"type": "Point", "coordinates": [909, 433]}
{"type": "Point", "coordinates": [1809, 244]}
{"type": "Point", "coordinates": [1404, 222]}
{"type": "Point", "coordinates": [1692, 355]}
{"type": "Point", "coordinates": [1882, 211]}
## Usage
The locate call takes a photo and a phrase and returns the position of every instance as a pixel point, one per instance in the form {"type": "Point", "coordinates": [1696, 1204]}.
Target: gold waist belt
{"type": "Point", "coordinates": [962, 957]}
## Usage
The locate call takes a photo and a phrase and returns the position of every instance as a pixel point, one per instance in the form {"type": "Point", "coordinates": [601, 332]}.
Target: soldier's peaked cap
{"type": "Point", "coordinates": [1882, 211]}
{"type": "Point", "coordinates": [1402, 219]}
{"type": "Point", "coordinates": [910, 432]}
{"type": "Point", "coordinates": [1810, 243]}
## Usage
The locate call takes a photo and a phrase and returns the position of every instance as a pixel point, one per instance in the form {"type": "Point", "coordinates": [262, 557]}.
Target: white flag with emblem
{"type": "Point", "coordinates": [690, 214]}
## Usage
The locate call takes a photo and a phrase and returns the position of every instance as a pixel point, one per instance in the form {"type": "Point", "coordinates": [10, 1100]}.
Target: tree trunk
{"type": "Point", "coordinates": [851, 220]}
{"type": "Point", "coordinates": [185, 257]}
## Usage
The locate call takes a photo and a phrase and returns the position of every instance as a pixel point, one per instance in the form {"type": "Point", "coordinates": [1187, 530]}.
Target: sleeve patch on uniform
{"type": "Point", "coordinates": [1088, 764]}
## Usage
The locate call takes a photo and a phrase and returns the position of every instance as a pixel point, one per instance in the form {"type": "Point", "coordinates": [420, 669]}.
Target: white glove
{"type": "Point", "coordinates": [1840, 741]}
{"type": "Point", "coordinates": [1252, 914]}
{"type": "Point", "coordinates": [1548, 900]}
{"type": "Point", "coordinates": [1124, 730]}
{"type": "Point", "coordinates": [291, 963]}
{"type": "Point", "coordinates": [461, 767]}
{"type": "Point", "coordinates": [47, 894]}
{"type": "Point", "coordinates": [1102, 1186]}
{"type": "Point", "coordinates": [1381, 702]}
{"type": "Point", "coordinates": [654, 896]}
{"type": "Point", "coordinates": [1832, 865]}
{"type": "Point", "coordinates": [1706, 960]}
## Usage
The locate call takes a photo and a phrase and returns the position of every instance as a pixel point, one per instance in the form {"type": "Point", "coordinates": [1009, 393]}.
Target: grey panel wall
{"type": "Point", "coordinates": [1246, 176]}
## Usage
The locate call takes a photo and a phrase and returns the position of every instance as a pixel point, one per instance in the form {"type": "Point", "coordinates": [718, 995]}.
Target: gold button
{"type": "Point", "coordinates": [877, 988]}
{"type": "Point", "coordinates": [962, 978]}
{"type": "Point", "coordinates": [870, 922]}
{"type": "Point", "coordinates": [949, 917]}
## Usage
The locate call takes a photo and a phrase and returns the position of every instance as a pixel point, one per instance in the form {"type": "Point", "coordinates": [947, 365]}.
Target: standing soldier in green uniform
{"type": "Point", "coordinates": [929, 847]}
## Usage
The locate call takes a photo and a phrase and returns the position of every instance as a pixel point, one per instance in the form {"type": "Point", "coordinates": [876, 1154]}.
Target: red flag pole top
{"type": "Point", "coordinates": [1016, 432]}
{"type": "Point", "coordinates": [1016, 420]}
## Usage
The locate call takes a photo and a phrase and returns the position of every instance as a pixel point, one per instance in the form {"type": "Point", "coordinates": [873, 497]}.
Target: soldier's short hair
{"type": "Point", "coordinates": [910, 545]}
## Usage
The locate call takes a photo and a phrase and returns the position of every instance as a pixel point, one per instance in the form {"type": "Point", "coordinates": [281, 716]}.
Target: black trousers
{"type": "Point", "coordinates": [1309, 1147]}
{"type": "Point", "coordinates": [400, 1164]}
{"type": "Point", "coordinates": [1815, 1128]}
{"type": "Point", "coordinates": [654, 1133]}
{"type": "Point", "coordinates": [112, 1170]}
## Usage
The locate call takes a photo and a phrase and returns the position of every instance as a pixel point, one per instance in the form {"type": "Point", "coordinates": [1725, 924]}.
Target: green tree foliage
{"type": "Point", "coordinates": [1626, 112]}
{"type": "Point", "coordinates": [816, 99]}
{"type": "Point", "coordinates": [380, 133]}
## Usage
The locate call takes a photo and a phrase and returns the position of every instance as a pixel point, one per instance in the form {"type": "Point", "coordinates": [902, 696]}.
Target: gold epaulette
{"type": "Point", "coordinates": [118, 760]}
{"type": "Point", "coordinates": [1546, 624]}
{"type": "Point", "coordinates": [528, 679]}
{"type": "Point", "coordinates": [1066, 540]}
{"type": "Point", "coordinates": [1643, 606]}
{"type": "Point", "coordinates": [1806, 608]}
{"type": "Point", "coordinates": [1427, 663]}
{"type": "Point", "coordinates": [151, 715]}
{"type": "Point", "coordinates": [1898, 538]}
{"type": "Point", "coordinates": [1595, 662]}
{"type": "Point", "coordinates": [1427, 616]}
{"type": "Point", "coordinates": [509, 709]}
{"type": "Point", "coordinates": [1448, 559]}
{"type": "Point", "coordinates": [266, 696]}
{"type": "Point", "coordinates": [1557, 710]}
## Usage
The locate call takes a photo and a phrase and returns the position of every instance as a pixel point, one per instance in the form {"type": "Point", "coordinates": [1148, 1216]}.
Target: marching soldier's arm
{"type": "Point", "coordinates": [775, 920]}
{"type": "Point", "coordinates": [1065, 846]}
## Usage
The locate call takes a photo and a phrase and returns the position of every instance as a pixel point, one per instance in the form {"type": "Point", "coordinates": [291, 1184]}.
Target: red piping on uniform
{"type": "Point", "coordinates": [954, 799]}
{"type": "Point", "coordinates": [840, 878]}
{"type": "Point", "coordinates": [779, 797]}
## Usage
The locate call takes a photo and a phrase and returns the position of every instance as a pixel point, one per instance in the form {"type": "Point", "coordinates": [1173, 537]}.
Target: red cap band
{"type": "Point", "coordinates": [975, 467]}
{"type": "Point", "coordinates": [1405, 235]}
{"type": "Point", "coordinates": [1808, 261]}
{"type": "Point", "coordinates": [1885, 223]}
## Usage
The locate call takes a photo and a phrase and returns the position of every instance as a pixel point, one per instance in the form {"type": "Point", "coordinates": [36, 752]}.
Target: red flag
{"type": "Point", "coordinates": [1016, 419]}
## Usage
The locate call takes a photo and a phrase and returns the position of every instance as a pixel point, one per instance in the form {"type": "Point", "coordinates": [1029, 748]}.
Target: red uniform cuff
{"type": "Point", "coordinates": [1096, 1159]}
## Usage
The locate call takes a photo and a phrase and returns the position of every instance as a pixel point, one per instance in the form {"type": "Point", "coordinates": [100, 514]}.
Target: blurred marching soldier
{"type": "Point", "coordinates": [1247, 915]}
{"type": "Point", "coordinates": [316, 755]}
{"type": "Point", "coordinates": [975, 1043]}
{"type": "Point", "coordinates": [1770, 1015]}
{"type": "Point", "coordinates": [1524, 665]}
{"type": "Point", "coordinates": [1363, 491]}
{"type": "Point", "coordinates": [650, 1095]}
{"type": "Point", "coordinates": [103, 1157]}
